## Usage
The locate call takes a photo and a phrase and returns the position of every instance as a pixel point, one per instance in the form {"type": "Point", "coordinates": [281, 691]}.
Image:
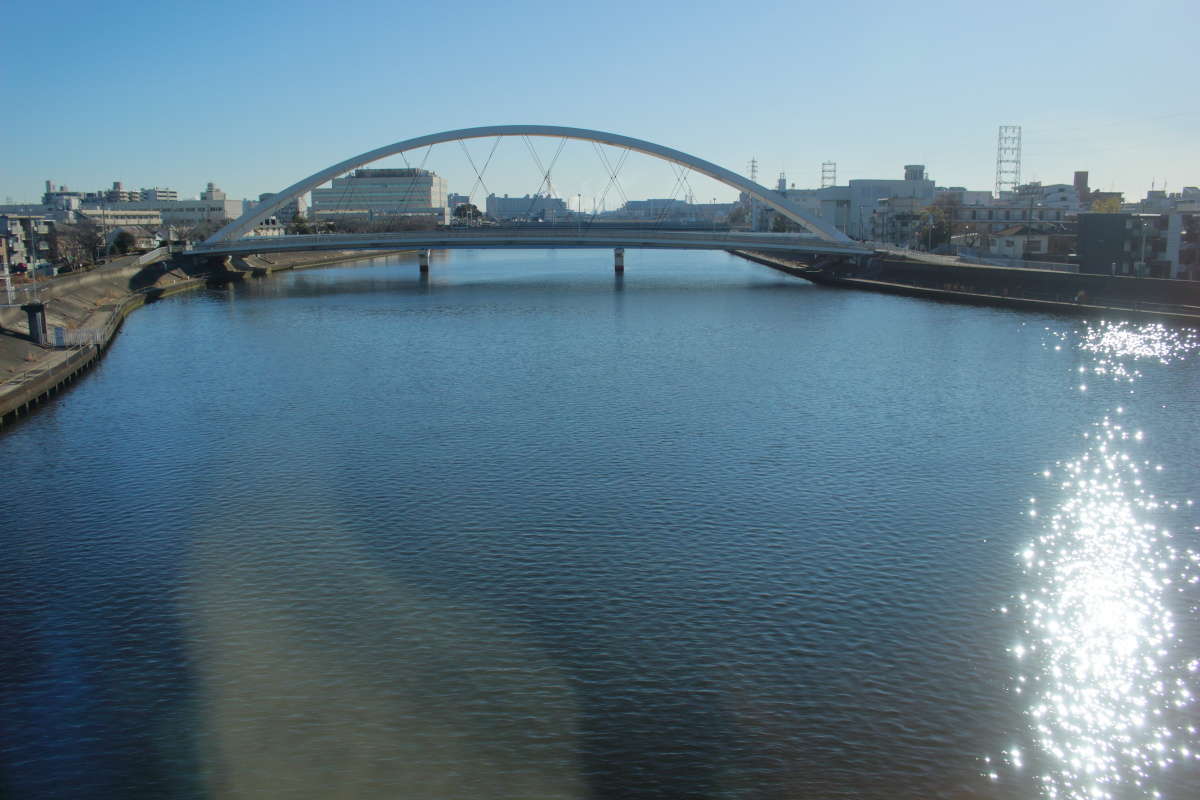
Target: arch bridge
{"type": "Point", "coordinates": [819, 236]}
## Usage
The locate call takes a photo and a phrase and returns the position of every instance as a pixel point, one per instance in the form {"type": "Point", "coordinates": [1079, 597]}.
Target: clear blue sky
{"type": "Point", "coordinates": [256, 95]}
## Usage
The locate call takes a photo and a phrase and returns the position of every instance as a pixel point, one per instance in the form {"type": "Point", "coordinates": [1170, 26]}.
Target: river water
{"type": "Point", "coordinates": [526, 529]}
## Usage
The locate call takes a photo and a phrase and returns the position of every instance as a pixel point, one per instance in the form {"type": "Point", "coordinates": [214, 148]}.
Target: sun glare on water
{"type": "Point", "coordinates": [1100, 665]}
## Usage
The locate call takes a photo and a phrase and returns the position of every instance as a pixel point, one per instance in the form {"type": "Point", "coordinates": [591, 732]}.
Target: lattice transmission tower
{"type": "Point", "coordinates": [1008, 159]}
{"type": "Point", "coordinates": [828, 174]}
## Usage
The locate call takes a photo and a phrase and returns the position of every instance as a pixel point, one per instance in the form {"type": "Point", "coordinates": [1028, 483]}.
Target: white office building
{"type": "Point", "coordinates": [374, 193]}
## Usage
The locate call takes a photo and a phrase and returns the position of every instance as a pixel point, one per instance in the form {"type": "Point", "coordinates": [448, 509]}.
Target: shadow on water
{"type": "Point", "coordinates": [318, 674]}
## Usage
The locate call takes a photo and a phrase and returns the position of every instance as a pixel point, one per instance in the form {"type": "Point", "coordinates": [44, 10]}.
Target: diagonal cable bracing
{"type": "Point", "coordinates": [410, 194]}
{"type": "Point", "coordinates": [612, 177]}
{"type": "Point", "coordinates": [546, 180]}
{"type": "Point", "coordinates": [412, 184]}
{"type": "Point", "coordinates": [478, 172]}
{"type": "Point", "coordinates": [613, 172]}
{"type": "Point", "coordinates": [680, 179]}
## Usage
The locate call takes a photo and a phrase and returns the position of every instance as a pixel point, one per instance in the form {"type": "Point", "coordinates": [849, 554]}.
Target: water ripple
{"type": "Point", "coordinates": [1102, 662]}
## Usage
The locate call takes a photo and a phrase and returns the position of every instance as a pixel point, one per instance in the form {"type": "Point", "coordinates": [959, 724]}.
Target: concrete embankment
{"type": "Point", "coordinates": [259, 265]}
{"type": "Point", "coordinates": [1038, 290]}
{"type": "Point", "coordinates": [87, 309]}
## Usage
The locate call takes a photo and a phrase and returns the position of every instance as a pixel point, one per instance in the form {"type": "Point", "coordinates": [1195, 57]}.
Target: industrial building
{"type": "Point", "coordinates": [529, 207]}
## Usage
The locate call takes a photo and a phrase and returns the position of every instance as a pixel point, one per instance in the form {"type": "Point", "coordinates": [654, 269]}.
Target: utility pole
{"type": "Point", "coordinates": [8, 289]}
{"type": "Point", "coordinates": [1141, 271]}
{"type": "Point", "coordinates": [753, 201]}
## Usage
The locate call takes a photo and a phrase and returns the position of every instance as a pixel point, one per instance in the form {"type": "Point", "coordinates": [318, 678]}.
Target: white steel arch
{"type": "Point", "coordinates": [243, 224]}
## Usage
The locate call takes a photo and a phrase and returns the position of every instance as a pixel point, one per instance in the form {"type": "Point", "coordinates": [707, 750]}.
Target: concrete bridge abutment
{"type": "Point", "coordinates": [36, 312]}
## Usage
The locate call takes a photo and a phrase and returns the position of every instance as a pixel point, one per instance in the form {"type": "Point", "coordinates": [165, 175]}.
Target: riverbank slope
{"type": "Point", "coordinates": [1011, 287]}
{"type": "Point", "coordinates": [89, 308]}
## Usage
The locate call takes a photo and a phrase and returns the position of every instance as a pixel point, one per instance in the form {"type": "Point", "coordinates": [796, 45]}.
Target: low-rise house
{"type": "Point", "coordinates": [1032, 242]}
{"type": "Point", "coordinates": [143, 238]}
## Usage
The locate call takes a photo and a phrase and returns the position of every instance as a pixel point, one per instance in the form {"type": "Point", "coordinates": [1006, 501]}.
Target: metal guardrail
{"type": "Point", "coordinates": [33, 373]}
{"type": "Point", "coordinates": [150, 256]}
{"type": "Point", "coordinates": [20, 295]}
{"type": "Point", "coordinates": [1019, 263]}
{"type": "Point", "coordinates": [72, 337]}
{"type": "Point", "coordinates": [982, 261]}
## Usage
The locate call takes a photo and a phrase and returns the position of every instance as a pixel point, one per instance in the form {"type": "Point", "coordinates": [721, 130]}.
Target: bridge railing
{"type": "Point", "coordinates": [516, 237]}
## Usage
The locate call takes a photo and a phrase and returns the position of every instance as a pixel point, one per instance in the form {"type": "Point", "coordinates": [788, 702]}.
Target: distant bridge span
{"type": "Point", "coordinates": [530, 237]}
{"type": "Point", "coordinates": [817, 226]}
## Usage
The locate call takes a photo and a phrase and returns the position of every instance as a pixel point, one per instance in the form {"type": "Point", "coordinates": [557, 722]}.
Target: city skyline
{"type": "Point", "coordinates": [255, 98]}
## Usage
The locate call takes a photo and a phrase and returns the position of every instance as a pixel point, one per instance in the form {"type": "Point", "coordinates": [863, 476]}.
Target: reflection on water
{"type": "Point", "coordinates": [1101, 663]}
{"type": "Point", "coordinates": [320, 675]}
{"type": "Point", "coordinates": [525, 529]}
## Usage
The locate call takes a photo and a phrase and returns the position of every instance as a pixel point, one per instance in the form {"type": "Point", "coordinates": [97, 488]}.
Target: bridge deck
{"type": "Point", "coordinates": [532, 238]}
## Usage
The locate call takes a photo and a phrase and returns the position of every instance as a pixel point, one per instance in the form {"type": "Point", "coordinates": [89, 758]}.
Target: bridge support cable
{"type": "Point", "coordinates": [612, 177]}
{"type": "Point", "coordinates": [680, 180]}
{"type": "Point", "coordinates": [412, 186]}
{"type": "Point", "coordinates": [614, 171]}
{"type": "Point", "coordinates": [546, 172]}
{"type": "Point", "coordinates": [342, 209]}
{"type": "Point", "coordinates": [689, 196]}
{"type": "Point", "coordinates": [479, 172]}
{"type": "Point", "coordinates": [413, 193]}
{"type": "Point", "coordinates": [340, 206]}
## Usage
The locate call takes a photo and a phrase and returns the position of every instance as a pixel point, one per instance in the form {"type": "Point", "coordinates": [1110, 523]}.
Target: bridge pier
{"type": "Point", "coordinates": [423, 260]}
{"type": "Point", "coordinates": [619, 259]}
